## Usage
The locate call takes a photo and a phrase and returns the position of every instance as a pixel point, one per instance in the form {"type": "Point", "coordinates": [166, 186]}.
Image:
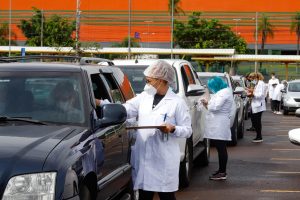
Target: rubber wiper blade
{"type": "Point", "coordinates": [21, 119]}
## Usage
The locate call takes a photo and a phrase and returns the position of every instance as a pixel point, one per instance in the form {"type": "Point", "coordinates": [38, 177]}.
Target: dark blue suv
{"type": "Point", "coordinates": [54, 142]}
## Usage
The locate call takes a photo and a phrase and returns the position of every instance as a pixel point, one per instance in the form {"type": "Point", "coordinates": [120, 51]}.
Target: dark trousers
{"type": "Point", "coordinates": [256, 120]}
{"type": "Point", "coordinates": [276, 105]}
{"type": "Point", "coordinates": [148, 195]}
{"type": "Point", "coordinates": [273, 105]}
{"type": "Point", "coordinates": [222, 154]}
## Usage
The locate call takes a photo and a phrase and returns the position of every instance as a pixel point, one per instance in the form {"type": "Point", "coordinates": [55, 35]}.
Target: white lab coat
{"type": "Point", "coordinates": [258, 103]}
{"type": "Point", "coordinates": [217, 124]}
{"type": "Point", "coordinates": [271, 87]}
{"type": "Point", "coordinates": [277, 92]}
{"type": "Point", "coordinates": [155, 162]}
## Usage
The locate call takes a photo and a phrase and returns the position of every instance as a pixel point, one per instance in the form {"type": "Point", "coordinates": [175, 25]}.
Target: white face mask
{"type": "Point", "coordinates": [64, 106]}
{"type": "Point", "coordinates": [254, 81]}
{"type": "Point", "coordinates": [150, 89]}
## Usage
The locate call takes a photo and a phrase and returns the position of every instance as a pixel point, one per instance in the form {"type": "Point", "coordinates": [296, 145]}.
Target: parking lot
{"type": "Point", "coordinates": [270, 170]}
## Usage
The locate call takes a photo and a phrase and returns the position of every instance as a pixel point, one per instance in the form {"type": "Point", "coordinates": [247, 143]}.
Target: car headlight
{"type": "Point", "coordinates": [31, 186]}
{"type": "Point", "coordinates": [290, 99]}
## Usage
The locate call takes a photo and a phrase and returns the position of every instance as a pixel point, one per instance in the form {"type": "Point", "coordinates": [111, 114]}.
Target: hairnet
{"type": "Point", "coordinates": [216, 84]}
{"type": "Point", "coordinates": [283, 82]}
{"type": "Point", "coordinates": [160, 69]}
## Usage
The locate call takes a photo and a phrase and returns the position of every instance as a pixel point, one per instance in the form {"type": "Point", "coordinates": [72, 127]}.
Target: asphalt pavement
{"type": "Point", "coordinates": [258, 171]}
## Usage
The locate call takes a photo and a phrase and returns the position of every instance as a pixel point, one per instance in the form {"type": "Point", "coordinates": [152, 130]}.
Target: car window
{"type": "Point", "coordinates": [136, 77]}
{"type": "Point", "coordinates": [187, 76]}
{"type": "Point", "coordinates": [114, 90]}
{"type": "Point", "coordinates": [294, 87]}
{"type": "Point", "coordinates": [124, 84]}
{"type": "Point", "coordinates": [44, 96]}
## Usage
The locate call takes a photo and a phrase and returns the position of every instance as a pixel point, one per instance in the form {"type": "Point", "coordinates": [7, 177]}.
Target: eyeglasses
{"type": "Point", "coordinates": [149, 80]}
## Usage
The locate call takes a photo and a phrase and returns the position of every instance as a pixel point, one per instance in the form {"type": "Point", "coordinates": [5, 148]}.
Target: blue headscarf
{"type": "Point", "coordinates": [216, 84]}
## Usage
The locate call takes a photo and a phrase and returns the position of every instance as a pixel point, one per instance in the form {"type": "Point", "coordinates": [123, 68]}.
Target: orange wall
{"type": "Point", "coordinates": [201, 5]}
{"type": "Point", "coordinates": [161, 34]}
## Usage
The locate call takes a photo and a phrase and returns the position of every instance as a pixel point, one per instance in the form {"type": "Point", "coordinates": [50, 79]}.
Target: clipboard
{"type": "Point", "coordinates": [144, 127]}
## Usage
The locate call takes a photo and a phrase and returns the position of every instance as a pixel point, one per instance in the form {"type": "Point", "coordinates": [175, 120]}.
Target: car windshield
{"type": "Point", "coordinates": [43, 96]}
{"type": "Point", "coordinates": [204, 80]}
{"type": "Point", "coordinates": [136, 77]}
{"type": "Point", "coordinates": [239, 83]}
{"type": "Point", "coordinates": [294, 87]}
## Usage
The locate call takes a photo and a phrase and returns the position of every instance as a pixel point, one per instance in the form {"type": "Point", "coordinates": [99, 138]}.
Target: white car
{"type": "Point", "coordinates": [294, 134]}
{"type": "Point", "coordinates": [187, 86]}
{"type": "Point", "coordinates": [291, 97]}
{"type": "Point", "coordinates": [237, 112]}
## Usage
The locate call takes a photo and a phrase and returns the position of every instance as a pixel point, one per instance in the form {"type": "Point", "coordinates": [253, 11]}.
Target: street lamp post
{"type": "Point", "coordinates": [9, 30]}
{"type": "Point", "coordinates": [148, 31]}
{"type": "Point", "coordinates": [256, 38]}
{"type": "Point", "coordinates": [172, 27]}
{"type": "Point", "coordinates": [77, 26]}
{"type": "Point", "coordinates": [236, 25]}
{"type": "Point", "coordinates": [129, 29]}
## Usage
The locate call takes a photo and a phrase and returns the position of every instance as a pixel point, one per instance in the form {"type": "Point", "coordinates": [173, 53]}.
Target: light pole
{"type": "Point", "coordinates": [77, 27]}
{"type": "Point", "coordinates": [9, 30]}
{"type": "Point", "coordinates": [148, 31]}
{"type": "Point", "coordinates": [236, 25]}
{"type": "Point", "coordinates": [172, 27]}
{"type": "Point", "coordinates": [256, 39]}
{"type": "Point", "coordinates": [129, 29]}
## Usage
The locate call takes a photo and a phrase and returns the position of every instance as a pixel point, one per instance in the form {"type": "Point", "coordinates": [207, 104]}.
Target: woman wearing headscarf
{"type": "Point", "coordinates": [217, 127]}
{"type": "Point", "coordinates": [258, 103]}
{"type": "Point", "coordinates": [156, 155]}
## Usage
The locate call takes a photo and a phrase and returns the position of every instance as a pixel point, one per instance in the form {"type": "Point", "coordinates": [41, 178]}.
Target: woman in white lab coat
{"type": "Point", "coordinates": [217, 126]}
{"type": "Point", "coordinates": [156, 154]}
{"type": "Point", "coordinates": [258, 103]}
{"type": "Point", "coordinates": [277, 94]}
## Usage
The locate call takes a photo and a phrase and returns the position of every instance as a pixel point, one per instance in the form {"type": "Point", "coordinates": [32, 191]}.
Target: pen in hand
{"type": "Point", "coordinates": [165, 135]}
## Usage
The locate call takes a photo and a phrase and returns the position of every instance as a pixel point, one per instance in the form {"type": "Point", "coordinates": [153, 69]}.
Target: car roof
{"type": "Point", "coordinates": [295, 81]}
{"type": "Point", "coordinates": [210, 74]}
{"type": "Point", "coordinates": [146, 62]}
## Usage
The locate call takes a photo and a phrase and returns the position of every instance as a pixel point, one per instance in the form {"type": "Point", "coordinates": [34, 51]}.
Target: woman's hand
{"type": "Point", "coordinates": [167, 128]}
{"type": "Point", "coordinates": [204, 102]}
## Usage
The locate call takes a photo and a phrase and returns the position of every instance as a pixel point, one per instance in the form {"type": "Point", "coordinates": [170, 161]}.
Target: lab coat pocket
{"type": "Point", "coordinates": [167, 118]}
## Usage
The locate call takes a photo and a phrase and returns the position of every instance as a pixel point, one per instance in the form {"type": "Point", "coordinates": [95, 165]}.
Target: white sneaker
{"type": "Point", "coordinates": [279, 113]}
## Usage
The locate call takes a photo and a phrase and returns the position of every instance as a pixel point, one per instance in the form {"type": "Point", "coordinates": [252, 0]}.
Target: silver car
{"type": "Point", "coordinates": [291, 97]}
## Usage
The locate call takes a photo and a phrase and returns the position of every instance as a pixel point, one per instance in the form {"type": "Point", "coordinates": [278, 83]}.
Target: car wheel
{"type": "Point", "coordinates": [204, 157]}
{"type": "Point", "coordinates": [241, 129]}
{"type": "Point", "coordinates": [84, 193]}
{"type": "Point", "coordinates": [234, 130]}
{"type": "Point", "coordinates": [185, 171]}
{"type": "Point", "coordinates": [285, 111]}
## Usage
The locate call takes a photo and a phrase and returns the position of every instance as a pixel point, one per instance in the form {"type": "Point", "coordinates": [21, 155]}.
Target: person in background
{"type": "Point", "coordinates": [258, 103]}
{"type": "Point", "coordinates": [277, 94]}
{"type": "Point", "coordinates": [271, 86]}
{"type": "Point", "coordinates": [217, 126]}
{"type": "Point", "coordinates": [249, 85]}
{"type": "Point", "coordinates": [155, 155]}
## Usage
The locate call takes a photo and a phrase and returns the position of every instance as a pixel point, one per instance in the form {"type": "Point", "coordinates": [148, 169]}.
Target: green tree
{"type": "Point", "coordinates": [57, 31]}
{"type": "Point", "coordinates": [265, 29]}
{"type": "Point", "coordinates": [295, 27]}
{"type": "Point", "coordinates": [202, 33]}
{"type": "Point", "coordinates": [177, 8]}
{"type": "Point", "coordinates": [4, 35]}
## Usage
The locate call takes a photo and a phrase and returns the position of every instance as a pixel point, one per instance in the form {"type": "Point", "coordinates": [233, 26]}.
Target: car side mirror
{"type": "Point", "coordinates": [297, 112]}
{"type": "Point", "coordinates": [195, 90]}
{"type": "Point", "coordinates": [294, 136]}
{"type": "Point", "coordinates": [111, 114]}
{"type": "Point", "coordinates": [239, 90]}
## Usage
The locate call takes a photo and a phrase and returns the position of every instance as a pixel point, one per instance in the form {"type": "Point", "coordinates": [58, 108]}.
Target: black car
{"type": "Point", "coordinates": [54, 142]}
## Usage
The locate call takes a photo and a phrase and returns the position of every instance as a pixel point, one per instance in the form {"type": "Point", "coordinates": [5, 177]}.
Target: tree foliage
{"type": "Point", "coordinates": [57, 30]}
{"type": "Point", "coordinates": [4, 35]}
{"type": "Point", "coordinates": [203, 33]}
{"type": "Point", "coordinates": [265, 29]}
{"type": "Point", "coordinates": [295, 27]}
{"type": "Point", "coordinates": [177, 8]}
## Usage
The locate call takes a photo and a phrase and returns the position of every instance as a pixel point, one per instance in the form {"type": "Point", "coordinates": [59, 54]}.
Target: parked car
{"type": "Point", "coordinates": [240, 81]}
{"type": "Point", "coordinates": [51, 149]}
{"type": "Point", "coordinates": [291, 97]}
{"type": "Point", "coordinates": [189, 88]}
{"type": "Point", "coordinates": [294, 134]}
{"type": "Point", "coordinates": [237, 113]}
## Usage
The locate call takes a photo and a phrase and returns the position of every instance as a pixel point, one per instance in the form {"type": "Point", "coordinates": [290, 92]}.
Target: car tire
{"type": "Point", "coordinates": [285, 111]}
{"type": "Point", "coordinates": [185, 170]}
{"type": "Point", "coordinates": [204, 157]}
{"type": "Point", "coordinates": [241, 128]}
{"type": "Point", "coordinates": [234, 130]}
{"type": "Point", "coordinates": [84, 193]}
